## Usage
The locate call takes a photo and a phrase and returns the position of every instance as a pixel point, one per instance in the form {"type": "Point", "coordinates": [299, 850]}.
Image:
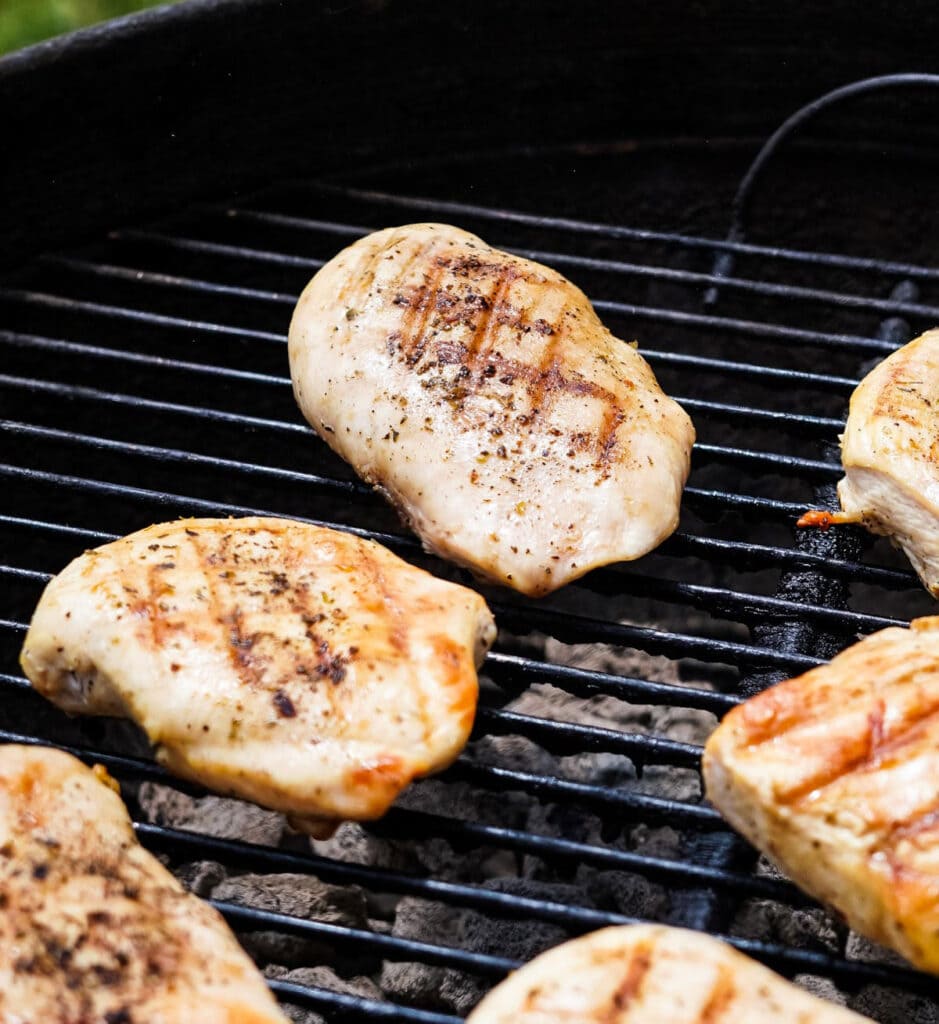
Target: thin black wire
{"type": "Point", "coordinates": [741, 553]}
{"type": "Point", "coordinates": [722, 367]}
{"type": "Point", "coordinates": [62, 303]}
{"type": "Point", "coordinates": [745, 191]}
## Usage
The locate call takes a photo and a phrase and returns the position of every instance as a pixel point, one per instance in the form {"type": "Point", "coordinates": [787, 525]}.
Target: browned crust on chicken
{"type": "Point", "coordinates": [92, 927]}
{"type": "Point", "coordinates": [835, 776]}
{"type": "Point", "coordinates": [299, 667]}
{"type": "Point", "coordinates": [650, 974]}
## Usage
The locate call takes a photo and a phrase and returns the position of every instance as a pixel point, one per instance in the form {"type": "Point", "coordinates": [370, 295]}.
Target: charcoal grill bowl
{"type": "Point", "coordinates": [207, 100]}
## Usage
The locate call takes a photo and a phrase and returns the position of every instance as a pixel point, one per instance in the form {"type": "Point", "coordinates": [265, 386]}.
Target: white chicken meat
{"type": "Point", "coordinates": [302, 668]}
{"type": "Point", "coordinates": [483, 396]}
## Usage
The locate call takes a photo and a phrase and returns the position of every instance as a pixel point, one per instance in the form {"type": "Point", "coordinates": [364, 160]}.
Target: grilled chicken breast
{"type": "Point", "coordinates": [835, 776]}
{"type": "Point", "coordinates": [890, 453]}
{"type": "Point", "coordinates": [650, 974]}
{"type": "Point", "coordinates": [298, 667]}
{"type": "Point", "coordinates": [481, 394]}
{"type": "Point", "coordinates": [93, 927]}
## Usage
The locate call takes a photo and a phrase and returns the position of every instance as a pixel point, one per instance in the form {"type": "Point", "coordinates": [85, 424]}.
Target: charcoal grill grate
{"type": "Point", "coordinates": [110, 350]}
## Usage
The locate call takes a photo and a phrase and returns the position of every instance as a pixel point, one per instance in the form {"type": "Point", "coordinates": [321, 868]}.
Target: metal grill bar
{"type": "Point", "coordinates": [787, 960]}
{"type": "Point", "coordinates": [723, 367]}
{"type": "Point", "coordinates": [579, 629]}
{"type": "Point", "coordinates": [764, 461]}
{"type": "Point", "coordinates": [721, 500]}
{"type": "Point", "coordinates": [761, 461]}
{"type": "Point", "coordinates": [551, 788]}
{"type": "Point", "coordinates": [565, 737]}
{"type": "Point", "coordinates": [892, 268]}
{"type": "Point", "coordinates": [719, 600]}
{"type": "Point", "coordinates": [678, 873]}
{"type": "Point", "coordinates": [575, 628]}
{"type": "Point", "coordinates": [619, 803]}
{"type": "Point", "coordinates": [244, 918]}
{"type": "Point", "coordinates": [843, 300]}
{"type": "Point", "coordinates": [740, 553]}
{"type": "Point", "coordinates": [340, 1005]}
{"type": "Point", "coordinates": [62, 303]}
{"type": "Point", "coordinates": [143, 358]}
{"type": "Point", "coordinates": [723, 410]}
{"type": "Point", "coordinates": [728, 325]}
{"type": "Point", "coordinates": [137, 276]}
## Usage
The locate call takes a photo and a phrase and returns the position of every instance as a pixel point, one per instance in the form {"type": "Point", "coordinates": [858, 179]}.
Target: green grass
{"type": "Point", "coordinates": [23, 22]}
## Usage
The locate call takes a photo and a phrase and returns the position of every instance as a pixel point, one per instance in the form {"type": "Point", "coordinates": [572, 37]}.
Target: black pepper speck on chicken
{"type": "Point", "coordinates": [93, 928]}
{"type": "Point", "coordinates": [483, 396]}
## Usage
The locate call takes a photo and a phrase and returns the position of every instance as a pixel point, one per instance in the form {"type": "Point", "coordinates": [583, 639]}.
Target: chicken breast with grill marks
{"type": "Point", "coordinates": [93, 927]}
{"type": "Point", "coordinates": [890, 454]}
{"type": "Point", "coordinates": [835, 776]}
{"type": "Point", "coordinates": [651, 974]}
{"type": "Point", "coordinates": [482, 395]}
{"type": "Point", "coordinates": [298, 667]}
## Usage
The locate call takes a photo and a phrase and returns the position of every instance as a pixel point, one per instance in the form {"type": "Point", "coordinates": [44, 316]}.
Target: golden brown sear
{"type": "Point", "coordinates": [93, 928]}
{"type": "Point", "coordinates": [835, 776]}
{"type": "Point", "coordinates": [483, 396]}
{"type": "Point", "coordinates": [302, 668]}
{"type": "Point", "coordinates": [890, 454]}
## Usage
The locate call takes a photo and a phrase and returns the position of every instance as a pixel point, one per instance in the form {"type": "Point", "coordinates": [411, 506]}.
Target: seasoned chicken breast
{"type": "Point", "coordinates": [93, 927]}
{"type": "Point", "coordinates": [890, 453]}
{"type": "Point", "coordinates": [481, 394]}
{"type": "Point", "coordinates": [651, 974]}
{"type": "Point", "coordinates": [298, 667]}
{"type": "Point", "coordinates": [835, 776]}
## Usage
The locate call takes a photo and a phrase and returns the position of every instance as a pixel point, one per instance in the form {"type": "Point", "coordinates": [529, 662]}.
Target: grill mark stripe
{"type": "Point", "coordinates": [245, 668]}
{"type": "Point", "coordinates": [302, 606]}
{"type": "Point", "coordinates": [399, 637]}
{"type": "Point", "coordinates": [354, 282]}
{"type": "Point", "coordinates": [370, 271]}
{"type": "Point", "coordinates": [544, 378]}
{"type": "Point", "coordinates": [795, 717]}
{"type": "Point", "coordinates": [909, 829]}
{"type": "Point", "coordinates": [415, 317]}
{"type": "Point", "coordinates": [629, 989]}
{"type": "Point", "coordinates": [871, 758]}
{"type": "Point", "coordinates": [607, 438]}
{"type": "Point", "coordinates": [720, 998]}
{"type": "Point", "coordinates": [547, 375]}
{"type": "Point", "coordinates": [397, 283]}
{"type": "Point", "coordinates": [480, 343]}
{"type": "Point", "coordinates": [152, 607]}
